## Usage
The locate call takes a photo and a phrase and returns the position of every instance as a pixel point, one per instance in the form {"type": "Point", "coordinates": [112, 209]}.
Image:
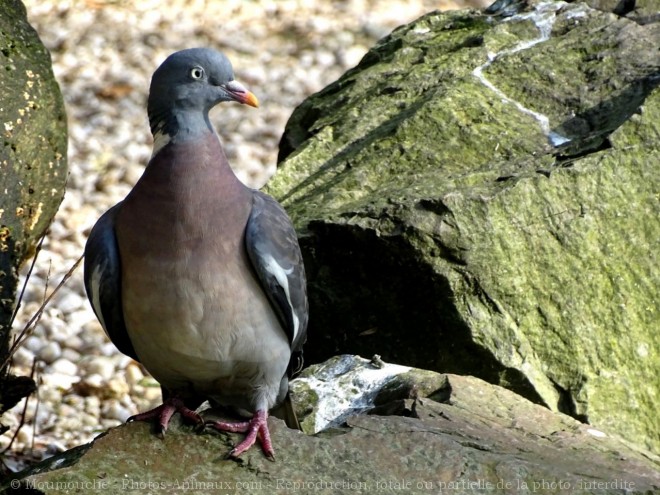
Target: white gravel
{"type": "Point", "coordinates": [103, 55]}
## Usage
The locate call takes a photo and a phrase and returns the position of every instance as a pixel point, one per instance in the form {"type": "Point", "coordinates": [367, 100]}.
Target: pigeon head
{"type": "Point", "coordinates": [185, 88]}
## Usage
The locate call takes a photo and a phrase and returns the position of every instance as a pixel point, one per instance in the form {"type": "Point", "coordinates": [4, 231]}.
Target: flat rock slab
{"type": "Point", "coordinates": [483, 438]}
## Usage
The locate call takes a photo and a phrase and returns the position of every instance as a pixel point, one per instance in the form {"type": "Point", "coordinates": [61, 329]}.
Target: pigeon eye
{"type": "Point", "coordinates": [197, 73]}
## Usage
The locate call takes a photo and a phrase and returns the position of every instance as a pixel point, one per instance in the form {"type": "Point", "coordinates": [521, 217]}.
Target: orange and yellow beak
{"type": "Point", "coordinates": [240, 93]}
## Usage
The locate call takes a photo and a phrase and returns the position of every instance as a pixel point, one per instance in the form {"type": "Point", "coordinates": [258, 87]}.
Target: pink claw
{"type": "Point", "coordinates": [257, 427]}
{"type": "Point", "coordinates": [164, 412]}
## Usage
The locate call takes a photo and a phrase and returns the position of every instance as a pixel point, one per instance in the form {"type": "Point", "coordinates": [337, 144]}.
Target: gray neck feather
{"type": "Point", "coordinates": [179, 124]}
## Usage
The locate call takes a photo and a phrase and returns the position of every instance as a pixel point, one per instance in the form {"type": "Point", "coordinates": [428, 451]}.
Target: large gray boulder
{"type": "Point", "coordinates": [428, 433]}
{"type": "Point", "coordinates": [33, 169]}
{"type": "Point", "coordinates": [480, 196]}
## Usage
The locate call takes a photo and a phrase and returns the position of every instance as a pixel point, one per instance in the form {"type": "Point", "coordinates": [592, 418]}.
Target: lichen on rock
{"type": "Point", "coordinates": [479, 196]}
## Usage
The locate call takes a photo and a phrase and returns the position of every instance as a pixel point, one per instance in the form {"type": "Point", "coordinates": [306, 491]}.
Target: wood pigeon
{"type": "Point", "coordinates": [195, 275]}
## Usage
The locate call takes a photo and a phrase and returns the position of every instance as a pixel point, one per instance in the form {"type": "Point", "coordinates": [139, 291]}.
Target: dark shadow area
{"type": "Point", "coordinates": [589, 131]}
{"type": "Point", "coordinates": [366, 299]}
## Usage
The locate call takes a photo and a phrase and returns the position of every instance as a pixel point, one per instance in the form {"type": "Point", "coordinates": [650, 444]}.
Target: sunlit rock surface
{"type": "Point", "coordinates": [479, 196]}
{"type": "Point", "coordinates": [428, 433]}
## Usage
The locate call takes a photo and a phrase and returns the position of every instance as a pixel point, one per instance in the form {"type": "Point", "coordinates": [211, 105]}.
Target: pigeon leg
{"type": "Point", "coordinates": [164, 412]}
{"type": "Point", "coordinates": [257, 427]}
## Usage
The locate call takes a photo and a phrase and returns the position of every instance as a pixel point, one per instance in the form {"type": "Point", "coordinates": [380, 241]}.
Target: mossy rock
{"type": "Point", "coordinates": [504, 227]}
{"type": "Point", "coordinates": [33, 168]}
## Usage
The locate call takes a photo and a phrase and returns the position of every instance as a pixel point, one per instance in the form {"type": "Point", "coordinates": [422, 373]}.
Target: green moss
{"type": "Point", "coordinates": [33, 150]}
{"type": "Point", "coordinates": [434, 213]}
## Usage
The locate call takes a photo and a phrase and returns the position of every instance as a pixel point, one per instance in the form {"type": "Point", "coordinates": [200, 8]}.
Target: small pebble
{"type": "Point", "coordinates": [108, 349]}
{"type": "Point", "coordinates": [50, 352]}
{"type": "Point", "coordinates": [58, 380]}
{"type": "Point", "coordinates": [25, 436]}
{"type": "Point", "coordinates": [79, 318]}
{"type": "Point", "coordinates": [117, 387]}
{"type": "Point", "coordinates": [64, 367]}
{"type": "Point", "coordinates": [152, 394]}
{"type": "Point", "coordinates": [114, 410]}
{"type": "Point", "coordinates": [89, 419]}
{"type": "Point", "coordinates": [122, 361]}
{"type": "Point", "coordinates": [70, 354]}
{"type": "Point", "coordinates": [33, 344]}
{"type": "Point", "coordinates": [66, 412]}
{"type": "Point", "coordinates": [75, 343]}
{"type": "Point", "coordinates": [106, 423]}
{"type": "Point", "coordinates": [101, 365]}
{"type": "Point", "coordinates": [69, 301]}
{"type": "Point", "coordinates": [93, 405]}
{"type": "Point", "coordinates": [23, 357]}
{"type": "Point", "coordinates": [94, 381]}
{"type": "Point", "coordinates": [50, 394]}
{"type": "Point", "coordinates": [133, 374]}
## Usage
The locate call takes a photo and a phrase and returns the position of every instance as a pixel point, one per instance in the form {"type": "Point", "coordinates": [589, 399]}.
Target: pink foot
{"type": "Point", "coordinates": [164, 412]}
{"type": "Point", "coordinates": [257, 427]}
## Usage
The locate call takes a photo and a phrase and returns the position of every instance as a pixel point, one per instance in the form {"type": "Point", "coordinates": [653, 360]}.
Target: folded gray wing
{"type": "Point", "coordinates": [272, 246]}
{"type": "Point", "coordinates": [103, 280]}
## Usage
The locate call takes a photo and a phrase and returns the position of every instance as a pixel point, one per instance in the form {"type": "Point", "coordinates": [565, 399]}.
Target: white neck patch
{"type": "Point", "coordinates": [160, 141]}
